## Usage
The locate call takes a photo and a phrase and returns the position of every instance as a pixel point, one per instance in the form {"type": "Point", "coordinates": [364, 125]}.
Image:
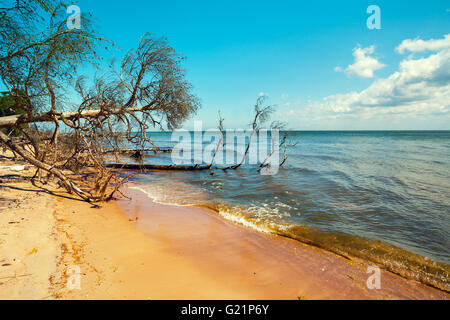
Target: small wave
{"type": "Point", "coordinates": [303, 170]}
{"type": "Point", "coordinates": [321, 157]}
{"type": "Point", "coordinates": [394, 259]}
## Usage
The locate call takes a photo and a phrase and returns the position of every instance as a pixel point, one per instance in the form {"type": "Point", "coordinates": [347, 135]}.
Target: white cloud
{"type": "Point", "coordinates": [421, 86]}
{"type": "Point", "coordinates": [418, 45]}
{"type": "Point", "coordinates": [364, 65]}
{"type": "Point", "coordinates": [263, 94]}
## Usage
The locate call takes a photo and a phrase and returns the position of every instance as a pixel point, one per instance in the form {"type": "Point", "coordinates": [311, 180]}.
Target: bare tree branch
{"type": "Point", "coordinates": [38, 63]}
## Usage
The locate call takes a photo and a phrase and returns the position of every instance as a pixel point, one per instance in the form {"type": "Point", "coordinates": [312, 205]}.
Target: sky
{"type": "Point", "coordinates": [316, 61]}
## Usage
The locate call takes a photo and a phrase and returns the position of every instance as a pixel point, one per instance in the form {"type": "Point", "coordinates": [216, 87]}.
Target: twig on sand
{"type": "Point", "coordinates": [16, 276]}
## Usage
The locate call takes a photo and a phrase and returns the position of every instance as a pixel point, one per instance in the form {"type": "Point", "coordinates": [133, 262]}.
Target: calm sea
{"type": "Point", "coordinates": [381, 196]}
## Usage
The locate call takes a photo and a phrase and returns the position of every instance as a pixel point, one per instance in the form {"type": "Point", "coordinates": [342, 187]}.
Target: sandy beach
{"type": "Point", "coordinates": [139, 249]}
{"type": "Point", "coordinates": [226, 151]}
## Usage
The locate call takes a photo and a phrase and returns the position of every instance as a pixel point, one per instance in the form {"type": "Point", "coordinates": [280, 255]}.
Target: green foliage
{"type": "Point", "coordinates": [8, 108]}
{"type": "Point", "coordinates": [8, 105]}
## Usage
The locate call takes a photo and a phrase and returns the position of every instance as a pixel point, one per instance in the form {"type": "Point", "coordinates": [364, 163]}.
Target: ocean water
{"type": "Point", "coordinates": [380, 196]}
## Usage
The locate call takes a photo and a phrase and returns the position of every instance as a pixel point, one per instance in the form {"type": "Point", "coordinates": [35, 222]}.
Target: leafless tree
{"type": "Point", "coordinates": [262, 114]}
{"type": "Point", "coordinates": [220, 143]}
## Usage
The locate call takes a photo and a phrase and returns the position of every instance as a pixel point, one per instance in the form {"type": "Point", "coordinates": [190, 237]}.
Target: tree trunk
{"type": "Point", "coordinates": [10, 121]}
{"type": "Point", "coordinates": [133, 166]}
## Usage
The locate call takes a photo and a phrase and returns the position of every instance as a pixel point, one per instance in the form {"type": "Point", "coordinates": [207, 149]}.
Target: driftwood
{"type": "Point", "coordinates": [261, 115]}
{"type": "Point", "coordinates": [154, 150]}
{"type": "Point", "coordinates": [134, 166]}
{"type": "Point", "coordinates": [29, 157]}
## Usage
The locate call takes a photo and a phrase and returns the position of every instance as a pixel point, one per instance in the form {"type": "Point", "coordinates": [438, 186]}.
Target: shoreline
{"type": "Point", "coordinates": [323, 274]}
{"type": "Point", "coordinates": [168, 252]}
{"type": "Point", "coordinates": [391, 258]}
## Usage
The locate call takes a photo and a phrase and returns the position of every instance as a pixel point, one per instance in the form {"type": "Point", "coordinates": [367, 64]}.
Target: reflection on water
{"type": "Point", "coordinates": [336, 190]}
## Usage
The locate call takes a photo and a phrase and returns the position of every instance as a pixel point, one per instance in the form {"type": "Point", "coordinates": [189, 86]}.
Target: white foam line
{"type": "Point", "coordinates": [228, 216]}
{"type": "Point", "coordinates": [241, 220]}
{"type": "Point", "coordinates": [154, 199]}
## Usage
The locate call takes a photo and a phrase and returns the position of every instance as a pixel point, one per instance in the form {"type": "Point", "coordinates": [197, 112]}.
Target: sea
{"type": "Point", "coordinates": [382, 197]}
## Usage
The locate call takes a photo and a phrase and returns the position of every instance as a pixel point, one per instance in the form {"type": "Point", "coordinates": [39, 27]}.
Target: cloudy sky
{"type": "Point", "coordinates": [415, 95]}
{"type": "Point", "coordinates": [318, 62]}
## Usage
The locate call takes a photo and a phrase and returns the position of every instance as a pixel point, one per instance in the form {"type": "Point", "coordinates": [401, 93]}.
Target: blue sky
{"type": "Point", "coordinates": [299, 53]}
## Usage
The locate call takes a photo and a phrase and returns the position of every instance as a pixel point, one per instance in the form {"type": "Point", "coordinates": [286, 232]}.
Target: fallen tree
{"type": "Point", "coordinates": [39, 64]}
{"type": "Point", "coordinates": [145, 166]}
{"type": "Point", "coordinates": [262, 114]}
{"type": "Point", "coordinates": [40, 61]}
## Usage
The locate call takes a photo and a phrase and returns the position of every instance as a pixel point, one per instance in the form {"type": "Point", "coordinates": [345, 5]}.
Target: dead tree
{"type": "Point", "coordinates": [37, 65]}
{"type": "Point", "coordinates": [261, 116]}
{"type": "Point", "coordinates": [220, 142]}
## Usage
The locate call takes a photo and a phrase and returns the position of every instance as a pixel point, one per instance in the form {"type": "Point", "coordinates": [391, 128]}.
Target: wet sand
{"type": "Point", "coordinates": [255, 265]}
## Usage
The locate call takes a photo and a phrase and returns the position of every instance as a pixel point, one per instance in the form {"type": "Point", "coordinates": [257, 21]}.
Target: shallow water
{"type": "Point", "coordinates": [381, 196]}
